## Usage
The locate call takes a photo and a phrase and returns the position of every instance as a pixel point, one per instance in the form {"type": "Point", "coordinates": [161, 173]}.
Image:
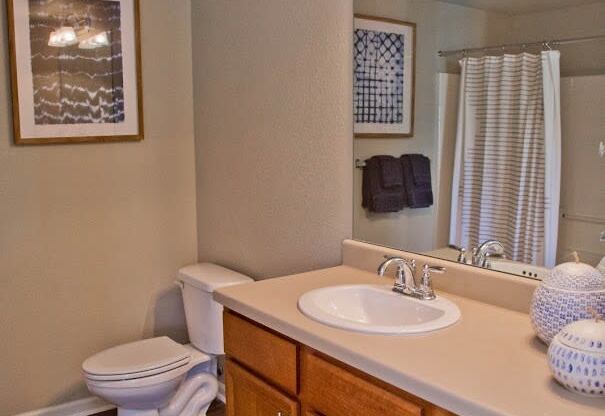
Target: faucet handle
{"type": "Point", "coordinates": [461, 253]}
{"type": "Point", "coordinates": [462, 256]}
{"type": "Point", "coordinates": [427, 270]}
{"type": "Point", "coordinates": [426, 284]}
{"type": "Point", "coordinates": [436, 269]}
{"type": "Point", "coordinates": [474, 255]}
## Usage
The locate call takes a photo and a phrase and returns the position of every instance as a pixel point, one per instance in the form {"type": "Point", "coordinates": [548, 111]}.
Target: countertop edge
{"type": "Point", "coordinates": [423, 390]}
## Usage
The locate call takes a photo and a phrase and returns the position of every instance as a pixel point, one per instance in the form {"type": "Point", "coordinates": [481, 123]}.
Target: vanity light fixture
{"type": "Point", "coordinates": [97, 40]}
{"type": "Point", "coordinates": [79, 33]}
{"type": "Point", "coordinates": [63, 37]}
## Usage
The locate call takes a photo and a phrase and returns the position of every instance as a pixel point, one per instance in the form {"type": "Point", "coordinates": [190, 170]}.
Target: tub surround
{"type": "Point", "coordinates": [489, 363]}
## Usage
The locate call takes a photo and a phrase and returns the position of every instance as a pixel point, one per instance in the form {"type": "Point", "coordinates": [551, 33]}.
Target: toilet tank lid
{"type": "Point", "coordinates": [209, 277]}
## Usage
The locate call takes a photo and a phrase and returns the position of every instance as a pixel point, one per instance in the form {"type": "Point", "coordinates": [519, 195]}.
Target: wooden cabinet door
{"type": "Point", "coordinates": [331, 390]}
{"type": "Point", "coordinates": [269, 355]}
{"type": "Point", "coordinates": [247, 395]}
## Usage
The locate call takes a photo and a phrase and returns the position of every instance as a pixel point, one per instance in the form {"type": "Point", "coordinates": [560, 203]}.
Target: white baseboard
{"type": "Point", "coordinates": [82, 407]}
{"type": "Point", "coordinates": [90, 406]}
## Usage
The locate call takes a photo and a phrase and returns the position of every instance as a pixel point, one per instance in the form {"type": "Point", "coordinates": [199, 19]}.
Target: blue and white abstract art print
{"type": "Point", "coordinates": [383, 78]}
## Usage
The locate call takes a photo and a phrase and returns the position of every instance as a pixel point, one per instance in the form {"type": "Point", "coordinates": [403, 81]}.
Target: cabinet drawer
{"type": "Point", "coordinates": [262, 351]}
{"type": "Point", "coordinates": [247, 395]}
{"type": "Point", "coordinates": [329, 389]}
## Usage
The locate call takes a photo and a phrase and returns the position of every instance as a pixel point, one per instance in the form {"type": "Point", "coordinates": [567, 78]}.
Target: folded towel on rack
{"type": "Point", "coordinates": [377, 197]}
{"type": "Point", "coordinates": [417, 178]}
{"type": "Point", "coordinates": [391, 173]}
{"type": "Point", "coordinates": [421, 170]}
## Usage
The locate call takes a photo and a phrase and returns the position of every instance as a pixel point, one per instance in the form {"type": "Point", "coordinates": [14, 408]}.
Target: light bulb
{"type": "Point", "coordinates": [62, 37]}
{"type": "Point", "coordinates": [98, 40]}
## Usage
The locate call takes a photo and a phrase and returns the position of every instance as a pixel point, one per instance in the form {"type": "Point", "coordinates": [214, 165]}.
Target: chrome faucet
{"type": "Point", "coordinates": [404, 277]}
{"type": "Point", "coordinates": [487, 249]}
{"type": "Point", "coordinates": [405, 282]}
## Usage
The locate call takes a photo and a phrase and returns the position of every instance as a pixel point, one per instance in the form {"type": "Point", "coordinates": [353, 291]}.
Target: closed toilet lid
{"type": "Point", "coordinates": [137, 359]}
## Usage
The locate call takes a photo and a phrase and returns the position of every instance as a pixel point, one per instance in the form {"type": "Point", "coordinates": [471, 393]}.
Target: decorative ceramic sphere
{"type": "Point", "coordinates": [576, 357]}
{"type": "Point", "coordinates": [565, 295]}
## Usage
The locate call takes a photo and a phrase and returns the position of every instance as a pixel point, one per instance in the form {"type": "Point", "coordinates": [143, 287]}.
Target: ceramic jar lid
{"type": "Point", "coordinates": [575, 276]}
{"type": "Point", "coordinates": [587, 335]}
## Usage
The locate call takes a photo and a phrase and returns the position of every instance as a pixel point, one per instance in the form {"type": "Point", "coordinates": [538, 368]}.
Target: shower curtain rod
{"type": "Point", "coordinates": [545, 44]}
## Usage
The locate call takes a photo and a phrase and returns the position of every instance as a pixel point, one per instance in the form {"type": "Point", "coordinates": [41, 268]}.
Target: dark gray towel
{"type": "Point", "coordinates": [376, 197]}
{"type": "Point", "coordinates": [391, 173]}
{"type": "Point", "coordinates": [417, 178]}
{"type": "Point", "coordinates": [421, 169]}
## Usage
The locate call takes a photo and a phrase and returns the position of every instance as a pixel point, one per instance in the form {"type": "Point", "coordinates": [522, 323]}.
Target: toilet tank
{"type": "Point", "coordinates": [204, 315]}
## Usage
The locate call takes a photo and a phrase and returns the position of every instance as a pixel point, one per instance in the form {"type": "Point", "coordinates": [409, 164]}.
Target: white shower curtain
{"type": "Point", "coordinates": [508, 155]}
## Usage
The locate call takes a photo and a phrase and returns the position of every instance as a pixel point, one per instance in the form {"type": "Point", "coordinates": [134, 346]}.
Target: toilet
{"type": "Point", "coordinates": [160, 377]}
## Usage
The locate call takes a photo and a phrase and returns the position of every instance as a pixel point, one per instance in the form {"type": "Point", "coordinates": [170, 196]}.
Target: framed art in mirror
{"type": "Point", "coordinates": [383, 77]}
{"type": "Point", "coordinates": [75, 71]}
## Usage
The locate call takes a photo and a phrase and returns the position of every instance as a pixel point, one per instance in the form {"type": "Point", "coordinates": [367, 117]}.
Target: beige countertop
{"type": "Point", "coordinates": [489, 363]}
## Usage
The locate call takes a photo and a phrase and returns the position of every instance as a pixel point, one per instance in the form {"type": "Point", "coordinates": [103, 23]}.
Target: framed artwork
{"type": "Point", "coordinates": [75, 71]}
{"type": "Point", "coordinates": [384, 77]}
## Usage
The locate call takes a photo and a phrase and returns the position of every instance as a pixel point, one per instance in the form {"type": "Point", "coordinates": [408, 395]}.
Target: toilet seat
{"type": "Point", "coordinates": [136, 360]}
{"type": "Point", "coordinates": [124, 383]}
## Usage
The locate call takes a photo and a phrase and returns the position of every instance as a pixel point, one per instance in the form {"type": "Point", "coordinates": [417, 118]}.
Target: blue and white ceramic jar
{"type": "Point", "coordinates": [566, 295]}
{"type": "Point", "coordinates": [576, 357]}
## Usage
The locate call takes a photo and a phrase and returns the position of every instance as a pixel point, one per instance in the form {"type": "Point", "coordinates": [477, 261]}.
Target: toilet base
{"type": "Point", "coordinates": [193, 398]}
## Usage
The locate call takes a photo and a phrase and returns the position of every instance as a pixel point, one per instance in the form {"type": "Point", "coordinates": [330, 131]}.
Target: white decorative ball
{"type": "Point", "coordinates": [565, 295]}
{"type": "Point", "coordinates": [576, 357]}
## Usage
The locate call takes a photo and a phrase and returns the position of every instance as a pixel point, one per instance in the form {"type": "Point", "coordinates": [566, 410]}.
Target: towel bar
{"type": "Point", "coordinates": [359, 164]}
{"type": "Point", "coordinates": [583, 218]}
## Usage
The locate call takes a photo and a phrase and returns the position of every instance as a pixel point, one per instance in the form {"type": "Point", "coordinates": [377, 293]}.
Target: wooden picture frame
{"type": "Point", "coordinates": [384, 77]}
{"type": "Point", "coordinates": [75, 78]}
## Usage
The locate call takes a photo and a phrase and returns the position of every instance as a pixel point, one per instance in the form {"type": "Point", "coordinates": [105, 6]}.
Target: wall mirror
{"type": "Point", "coordinates": [510, 126]}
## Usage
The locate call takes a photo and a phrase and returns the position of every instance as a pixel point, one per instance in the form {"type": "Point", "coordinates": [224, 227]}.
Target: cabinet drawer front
{"type": "Point", "coordinates": [264, 352]}
{"type": "Point", "coordinates": [333, 391]}
{"type": "Point", "coordinates": [247, 395]}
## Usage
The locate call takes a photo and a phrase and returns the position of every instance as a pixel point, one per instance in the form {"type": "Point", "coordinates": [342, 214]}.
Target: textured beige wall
{"type": "Point", "coordinates": [91, 235]}
{"type": "Point", "coordinates": [577, 59]}
{"type": "Point", "coordinates": [439, 26]}
{"type": "Point", "coordinates": [273, 117]}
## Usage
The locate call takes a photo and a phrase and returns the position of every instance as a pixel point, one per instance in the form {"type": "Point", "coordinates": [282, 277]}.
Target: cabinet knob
{"type": "Point", "coordinates": [279, 413]}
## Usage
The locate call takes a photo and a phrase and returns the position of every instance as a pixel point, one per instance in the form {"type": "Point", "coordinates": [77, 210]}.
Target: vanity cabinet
{"type": "Point", "coordinates": [270, 375]}
{"type": "Point", "coordinates": [248, 395]}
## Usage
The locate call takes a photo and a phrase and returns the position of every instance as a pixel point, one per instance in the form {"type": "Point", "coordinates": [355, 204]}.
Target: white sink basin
{"type": "Point", "coordinates": [377, 309]}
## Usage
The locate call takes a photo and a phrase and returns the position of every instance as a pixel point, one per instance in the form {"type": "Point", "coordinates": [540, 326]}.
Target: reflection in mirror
{"type": "Point", "coordinates": [511, 138]}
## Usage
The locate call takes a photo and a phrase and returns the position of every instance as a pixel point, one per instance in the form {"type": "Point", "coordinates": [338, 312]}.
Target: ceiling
{"type": "Point", "coordinates": [521, 6]}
